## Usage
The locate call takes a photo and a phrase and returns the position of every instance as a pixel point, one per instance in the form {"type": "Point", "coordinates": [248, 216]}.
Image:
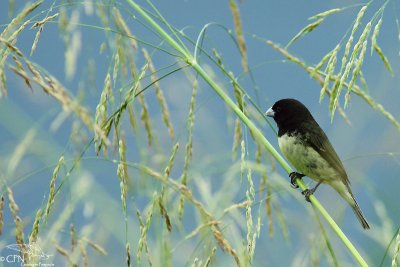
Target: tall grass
{"type": "Point", "coordinates": [132, 181]}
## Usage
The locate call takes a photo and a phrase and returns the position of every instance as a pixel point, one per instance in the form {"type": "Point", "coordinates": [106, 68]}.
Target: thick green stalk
{"type": "Point", "coordinates": [252, 127]}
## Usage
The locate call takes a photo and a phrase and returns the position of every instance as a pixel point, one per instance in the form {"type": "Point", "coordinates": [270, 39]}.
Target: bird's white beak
{"type": "Point", "coordinates": [270, 112]}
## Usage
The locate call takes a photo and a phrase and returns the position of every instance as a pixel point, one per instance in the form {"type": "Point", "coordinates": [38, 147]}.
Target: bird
{"type": "Point", "coordinates": [307, 148]}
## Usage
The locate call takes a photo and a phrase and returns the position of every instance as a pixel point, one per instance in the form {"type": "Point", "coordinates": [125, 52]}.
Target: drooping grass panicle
{"type": "Point", "coordinates": [11, 47]}
{"type": "Point", "coordinates": [218, 236]}
{"type": "Point", "coordinates": [33, 70]}
{"type": "Point", "coordinates": [218, 58]}
{"type": "Point", "coordinates": [52, 193]}
{"type": "Point", "coordinates": [64, 252]}
{"type": "Point", "coordinates": [349, 42]}
{"type": "Point", "coordinates": [73, 237]}
{"type": "Point", "coordinates": [325, 13]}
{"type": "Point", "coordinates": [132, 93]}
{"type": "Point", "coordinates": [40, 25]}
{"type": "Point", "coordinates": [10, 29]}
{"type": "Point", "coordinates": [237, 136]}
{"type": "Point", "coordinates": [210, 257]}
{"type": "Point", "coordinates": [167, 171]}
{"type": "Point", "coordinates": [308, 69]}
{"type": "Point", "coordinates": [346, 64]}
{"type": "Point", "coordinates": [356, 72]}
{"type": "Point", "coordinates": [378, 50]}
{"type": "Point", "coordinates": [336, 91]}
{"type": "Point", "coordinates": [131, 62]}
{"type": "Point", "coordinates": [160, 95]}
{"type": "Point", "coordinates": [377, 106]}
{"type": "Point", "coordinates": [44, 21]}
{"type": "Point", "coordinates": [251, 233]}
{"type": "Point", "coordinates": [122, 171]}
{"type": "Point", "coordinates": [132, 118]}
{"type": "Point", "coordinates": [189, 145]}
{"type": "Point", "coordinates": [212, 222]}
{"type": "Point", "coordinates": [199, 228]}
{"type": "Point", "coordinates": [144, 228]}
{"type": "Point", "coordinates": [84, 253]}
{"type": "Point", "coordinates": [171, 160]}
{"type": "Point", "coordinates": [242, 159]}
{"type": "Point", "coordinates": [240, 205]}
{"type": "Point", "coordinates": [12, 204]}
{"type": "Point", "coordinates": [371, 102]}
{"type": "Point", "coordinates": [357, 23]}
{"type": "Point", "coordinates": [123, 27]}
{"type": "Point", "coordinates": [323, 61]}
{"type": "Point", "coordinates": [75, 241]}
{"type": "Point", "coordinates": [19, 237]}
{"type": "Point", "coordinates": [9, 35]}
{"type": "Point", "coordinates": [21, 73]}
{"type": "Point", "coordinates": [239, 33]}
{"type": "Point", "coordinates": [224, 244]}
{"type": "Point", "coordinates": [364, 84]}
{"type": "Point", "coordinates": [356, 90]}
{"type": "Point", "coordinates": [125, 56]}
{"type": "Point", "coordinates": [384, 59]}
{"type": "Point", "coordinates": [145, 118]}
{"type": "Point", "coordinates": [116, 68]}
{"type": "Point", "coordinates": [19, 226]}
{"type": "Point", "coordinates": [330, 71]}
{"type": "Point", "coordinates": [35, 228]}
{"type": "Point", "coordinates": [307, 29]}
{"type": "Point", "coordinates": [97, 247]}
{"type": "Point", "coordinates": [20, 67]}
{"type": "Point", "coordinates": [53, 87]}
{"type": "Point", "coordinates": [375, 34]}
{"type": "Point", "coordinates": [101, 112]}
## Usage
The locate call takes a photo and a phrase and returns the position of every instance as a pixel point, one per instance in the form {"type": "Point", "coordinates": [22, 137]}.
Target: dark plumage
{"type": "Point", "coordinates": [308, 149]}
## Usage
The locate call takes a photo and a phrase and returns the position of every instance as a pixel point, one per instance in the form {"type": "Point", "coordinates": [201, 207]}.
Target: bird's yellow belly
{"type": "Point", "coordinates": [306, 160]}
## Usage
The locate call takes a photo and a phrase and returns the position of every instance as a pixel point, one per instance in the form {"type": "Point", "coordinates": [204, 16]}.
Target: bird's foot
{"type": "Point", "coordinates": [293, 177]}
{"type": "Point", "coordinates": [307, 193]}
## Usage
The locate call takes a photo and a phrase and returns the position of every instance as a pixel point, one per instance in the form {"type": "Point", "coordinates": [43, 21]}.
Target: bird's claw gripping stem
{"type": "Point", "coordinates": [293, 177]}
{"type": "Point", "coordinates": [307, 193]}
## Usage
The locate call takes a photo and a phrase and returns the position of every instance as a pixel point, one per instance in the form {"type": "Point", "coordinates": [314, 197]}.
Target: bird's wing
{"type": "Point", "coordinates": [320, 142]}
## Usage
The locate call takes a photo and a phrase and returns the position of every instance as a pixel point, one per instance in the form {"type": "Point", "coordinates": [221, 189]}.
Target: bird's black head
{"type": "Point", "coordinates": [289, 114]}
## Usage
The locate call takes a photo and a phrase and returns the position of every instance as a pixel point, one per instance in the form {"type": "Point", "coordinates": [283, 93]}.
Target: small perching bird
{"type": "Point", "coordinates": [307, 148]}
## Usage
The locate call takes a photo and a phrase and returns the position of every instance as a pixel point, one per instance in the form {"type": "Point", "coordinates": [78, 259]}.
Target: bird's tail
{"type": "Point", "coordinates": [345, 192]}
{"type": "Point", "coordinates": [359, 214]}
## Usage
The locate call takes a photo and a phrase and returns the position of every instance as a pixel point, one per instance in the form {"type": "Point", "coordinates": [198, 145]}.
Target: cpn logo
{"type": "Point", "coordinates": [33, 251]}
